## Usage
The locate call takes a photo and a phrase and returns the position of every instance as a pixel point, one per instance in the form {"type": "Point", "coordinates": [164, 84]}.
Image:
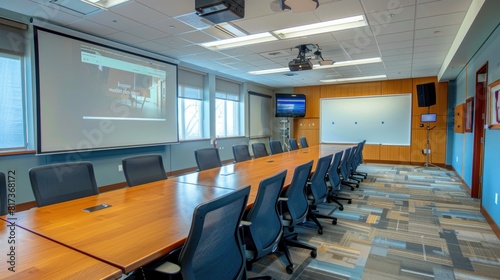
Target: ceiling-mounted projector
{"type": "Point", "coordinates": [219, 11]}
{"type": "Point", "coordinates": [299, 64]}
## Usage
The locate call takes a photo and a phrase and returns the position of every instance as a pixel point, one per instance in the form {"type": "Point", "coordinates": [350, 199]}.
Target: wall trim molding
{"type": "Point", "coordinates": [491, 222]}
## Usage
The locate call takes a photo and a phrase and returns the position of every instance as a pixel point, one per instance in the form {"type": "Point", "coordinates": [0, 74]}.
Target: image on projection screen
{"type": "Point", "coordinates": [91, 96]}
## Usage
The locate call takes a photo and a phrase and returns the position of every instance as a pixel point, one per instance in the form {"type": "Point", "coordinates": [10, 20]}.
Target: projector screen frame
{"type": "Point", "coordinates": [167, 93]}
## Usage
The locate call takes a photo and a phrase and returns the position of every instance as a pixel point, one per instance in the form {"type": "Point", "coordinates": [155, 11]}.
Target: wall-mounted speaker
{"type": "Point", "coordinates": [426, 95]}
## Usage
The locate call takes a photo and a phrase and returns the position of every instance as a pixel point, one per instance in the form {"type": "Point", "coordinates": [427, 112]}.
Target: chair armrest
{"type": "Point", "coordinates": [245, 223]}
{"type": "Point", "coordinates": [168, 268]}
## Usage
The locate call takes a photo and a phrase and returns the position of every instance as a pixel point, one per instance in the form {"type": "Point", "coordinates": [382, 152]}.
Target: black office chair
{"type": "Point", "coordinates": [334, 181]}
{"type": "Point", "coordinates": [293, 144]}
{"type": "Point", "coordinates": [264, 233]}
{"type": "Point", "coordinates": [241, 153]}
{"type": "Point", "coordinates": [60, 182]}
{"type": "Point", "coordinates": [303, 142]}
{"type": "Point", "coordinates": [358, 160]}
{"type": "Point", "coordinates": [276, 147]}
{"type": "Point", "coordinates": [259, 150]}
{"type": "Point", "coordinates": [207, 158]}
{"type": "Point", "coordinates": [213, 249]}
{"type": "Point", "coordinates": [3, 195]}
{"type": "Point", "coordinates": [344, 169]}
{"type": "Point", "coordinates": [296, 206]}
{"type": "Point", "coordinates": [317, 191]}
{"type": "Point", "coordinates": [143, 169]}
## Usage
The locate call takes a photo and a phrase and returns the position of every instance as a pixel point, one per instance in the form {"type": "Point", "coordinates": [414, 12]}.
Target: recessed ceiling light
{"type": "Point", "coordinates": [299, 31]}
{"type": "Point", "coordinates": [104, 4]}
{"type": "Point", "coordinates": [376, 77]}
{"type": "Point", "coordinates": [316, 67]}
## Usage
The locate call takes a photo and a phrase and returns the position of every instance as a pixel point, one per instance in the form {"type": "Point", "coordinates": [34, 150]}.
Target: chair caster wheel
{"type": "Point", "coordinates": [349, 201]}
{"type": "Point", "coordinates": [249, 266]}
{"type": "Point", "coordinates": [320, 231]}
{"type": "Point", "coordinates": [334, 222]}
{"type": "Point", "coordinates": [289, 269]}
{"type": "Point", "coordinates": [314, 253]}
{"type": "Point", "coordinates": [341, 208]}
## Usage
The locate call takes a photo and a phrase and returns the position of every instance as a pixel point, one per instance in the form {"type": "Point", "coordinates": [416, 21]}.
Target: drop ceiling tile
{"type": "Point", "coordinates": [147, 32]}
{"type": "Point", "coordinates": [168, 8]}
{"type": "Point", "coordinates": [112, 20]}
{"type": "Point", "coordinates": [92, 27]}
{"type": "Point", "coordinates": [338, 9]}
{"type": "Point", "coordinates": [396, 45]}
{"type": "Point", "coordinates": [444, 40]}
{"type": "Point", "coordinates": [450, 30]}
{"type": "Point", "coordinates": [196, 37]}
{"type": "Point", "coordinates": [125, 38]}
{"type": "Point", "coordinates": [440, 7]}
{"type": "Point", "coordinates": [391, 28]}
{"type": "Point", "coordinates": [440, 20]}
{"type": "Point", "coordinates": [138, 12]}
{"type": "Point", "coordinates": [172, 26]}
{"type": "Point", "coordinates": [173, 42]}
{"type": "Point", "coordinates": [396, 37]}
{"type": "Point", "coordinates": [384, 5]}
{"type": "Point", "coordinates": [387, 17]}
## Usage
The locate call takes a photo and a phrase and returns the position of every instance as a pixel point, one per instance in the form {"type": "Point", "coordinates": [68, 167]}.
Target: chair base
{"type": "Point", "coordinates": [292, 240]}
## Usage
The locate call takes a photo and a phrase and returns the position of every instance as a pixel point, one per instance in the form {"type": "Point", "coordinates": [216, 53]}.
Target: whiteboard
{"type": "Point", "coordinates": [260, 114]}
{"type": "Point", "coordinates": [381, 119]}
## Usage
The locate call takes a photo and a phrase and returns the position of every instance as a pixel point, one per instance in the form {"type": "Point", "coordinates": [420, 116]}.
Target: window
{"type": "Point", "coordinates": [190, 102]}
{"type": "Point", "coordinates": [227, 108]}
{"type": "Point", "coordinates": [12, 89]}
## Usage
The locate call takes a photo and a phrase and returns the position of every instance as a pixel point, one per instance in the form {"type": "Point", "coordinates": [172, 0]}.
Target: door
{"type": "Point", "coordinates": [479, 122]}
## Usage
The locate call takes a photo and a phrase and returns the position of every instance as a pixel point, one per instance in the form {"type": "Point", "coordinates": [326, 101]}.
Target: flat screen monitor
{"type": "Point", "coordinates": [428, 117]}
{"type": "Point", "coordinates": [290, 105]}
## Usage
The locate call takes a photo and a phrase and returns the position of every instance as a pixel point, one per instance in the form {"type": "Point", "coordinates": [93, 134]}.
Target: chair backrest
{"type": "Point", "coordinates": [303, 142]}
{"type": "Point", "coordinates": [213, 249]}
{"type": "Point", "coordinates": [333, 171]}
{"type": "Point", "coordinates": [143, 169]}
{"type": "Point", "coordinates": [241, 153]}
{"type": "Point", "coordinates": [297, 204]}
{"type": "Point", "coordinates": [259, 150]}
{"type": "Point", "coordinates": [343, 167]}
{"type": "Point", "coordinates": [3, 195]}
{"type": "Point", "coordinates": [266, 228]}
{"type": "Point", "coordinates": [60, 182]}
{"type": "Point", "coordinates": [207, 158]}
{"type": "Point", "coordinates": [293, 144]}
{"type": "Point", "coordinates": [318, 187]}
{"type": "Point", "coordinates": [275, 146]}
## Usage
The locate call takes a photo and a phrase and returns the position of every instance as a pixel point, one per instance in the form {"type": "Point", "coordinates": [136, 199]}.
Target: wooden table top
{"type": "Point", "coordinates": [143, 223]}
{"type": "Point", "coordinates": [252, 172]}
{"type": "Point", "coordinates": [38, 258]}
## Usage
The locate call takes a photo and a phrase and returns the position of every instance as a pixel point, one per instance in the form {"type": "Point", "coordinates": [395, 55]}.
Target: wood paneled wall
{"type": "Point", "coordinates": [412, 153]}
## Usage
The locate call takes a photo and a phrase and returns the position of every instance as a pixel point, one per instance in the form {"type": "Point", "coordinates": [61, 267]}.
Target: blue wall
{"type": "Point", "coordinates": [462, 144]}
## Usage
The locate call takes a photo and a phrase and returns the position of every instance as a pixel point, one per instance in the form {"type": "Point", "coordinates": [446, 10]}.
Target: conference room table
{"type": "Point", "coordinates": [148, 221]}
{"type": "Point", "coordinates": [26, 255]}
{"type": "Point", "coordinates": [252, 172]}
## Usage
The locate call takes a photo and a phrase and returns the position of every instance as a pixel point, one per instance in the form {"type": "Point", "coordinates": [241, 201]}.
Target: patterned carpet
{"type": "Point", "coordinates": [405, 222]}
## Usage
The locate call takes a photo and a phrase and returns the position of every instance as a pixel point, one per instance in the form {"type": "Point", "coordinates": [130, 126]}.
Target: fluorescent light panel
{"type": "Point", "coordinates": [354, 79]}
{"type": "Point", "coordinates": [316, 67]}
{"type": "Point", "coordinates": [104, 4]}
{"type": "Point", "coordinates": [299, 31]}
{"type": "Point", "coordinates": [239, 41]}
{"type": "Point", "coordinates": [321, 27]}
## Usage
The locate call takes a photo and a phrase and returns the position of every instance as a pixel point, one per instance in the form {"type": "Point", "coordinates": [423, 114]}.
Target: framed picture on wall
{"type": "Point", "coordinates": [494, 105]}
{"type": "Point", "coordinates": [469, 113]}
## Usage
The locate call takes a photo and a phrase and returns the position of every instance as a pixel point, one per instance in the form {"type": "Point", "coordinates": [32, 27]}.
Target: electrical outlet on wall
{"type": "Point", "coordinates": [496, 198]}
{"type": "Point", "coordinates": [456, 160]}
{"type": "Point", "coordinates": [120, 167]}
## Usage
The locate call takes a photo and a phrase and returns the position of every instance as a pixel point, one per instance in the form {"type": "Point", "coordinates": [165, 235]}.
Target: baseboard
{"type": "Point", "coordinates": [491, 222]}
{"type": "Point", "coordinates": [464, 184]}
{"type": "Point", "coordinates": [401, 162]}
